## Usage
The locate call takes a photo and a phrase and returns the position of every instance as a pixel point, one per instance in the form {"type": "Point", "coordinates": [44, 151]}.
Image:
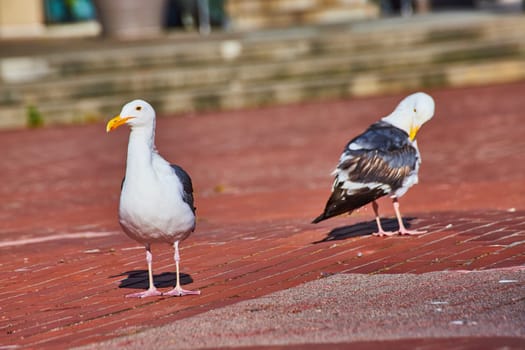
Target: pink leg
{"type": "Point", "coordinates": [152, 291]}
{"type": "Point", "coordinates": [402, 229]}
{"type": "Point", "coordinates": [178, 291]}
{"type": "Point", "coordinates": [380, 232]}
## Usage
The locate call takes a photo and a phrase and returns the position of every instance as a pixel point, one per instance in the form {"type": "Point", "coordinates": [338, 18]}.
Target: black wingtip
{"type": "Point", "coordinates": [319, 219]}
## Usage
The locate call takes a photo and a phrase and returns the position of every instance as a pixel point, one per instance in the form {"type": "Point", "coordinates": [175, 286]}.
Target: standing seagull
{"type": "Point", "coordinates": [156, 202]}
{"type": "Point", "coordinates": [384, 160]}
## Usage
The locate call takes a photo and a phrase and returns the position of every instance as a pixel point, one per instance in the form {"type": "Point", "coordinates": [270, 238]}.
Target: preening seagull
{"type": "Point", "coordinates": [384, 160]}
{"type": "Point", "coordinates": [156, 201]}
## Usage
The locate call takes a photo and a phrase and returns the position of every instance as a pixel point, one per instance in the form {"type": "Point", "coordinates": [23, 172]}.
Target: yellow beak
{"type": "Point", "coordinates": [413, 132]}
{"type": "Point", "coordinates": [116, 122]}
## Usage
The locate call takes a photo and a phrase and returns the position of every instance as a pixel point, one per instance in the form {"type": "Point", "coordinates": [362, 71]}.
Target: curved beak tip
{"type": "Point", "coordinates": [116, 122]}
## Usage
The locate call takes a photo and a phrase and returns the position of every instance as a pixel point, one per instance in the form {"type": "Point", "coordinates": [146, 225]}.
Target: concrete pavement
{"type": "Point", "coordinates": [380, 311]}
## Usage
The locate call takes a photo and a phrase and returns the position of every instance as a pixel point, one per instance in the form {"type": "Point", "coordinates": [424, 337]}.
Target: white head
{"type": "Point", "coordinates": [412, 112]}
{"type": "Point", "coordinates": [137, 113]}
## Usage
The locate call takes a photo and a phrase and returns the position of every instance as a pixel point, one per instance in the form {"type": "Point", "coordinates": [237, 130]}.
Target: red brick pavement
{"type": "Point", "coordinates": [260, 177]}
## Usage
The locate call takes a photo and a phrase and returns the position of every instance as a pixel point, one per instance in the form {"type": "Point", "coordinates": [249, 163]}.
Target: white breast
{"type": "Point", "coordinates": [151, 205]}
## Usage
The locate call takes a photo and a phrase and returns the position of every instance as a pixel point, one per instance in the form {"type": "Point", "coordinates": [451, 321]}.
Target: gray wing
{"type": "Point", "coordinates": [372, 165]}
{"type": "Point", "coordinates": [382, 154]}
{"type": "Point", "coordinates": [187, 185]}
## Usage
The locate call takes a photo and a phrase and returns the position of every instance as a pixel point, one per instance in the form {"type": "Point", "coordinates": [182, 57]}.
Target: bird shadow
{"type": "Point", "coordinates": [138, 279]}
{"type": "Point", "coordinates": [363, 228]}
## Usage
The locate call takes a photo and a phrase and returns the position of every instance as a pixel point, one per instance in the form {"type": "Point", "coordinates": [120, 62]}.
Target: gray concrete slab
{"type": "Point", "coordinates": [347, 308]}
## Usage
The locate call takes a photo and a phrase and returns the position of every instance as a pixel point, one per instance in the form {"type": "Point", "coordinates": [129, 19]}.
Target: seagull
{"type": "Point", "coordinates": [383, 160]}
{"type": "Point", "coordinates": [156, 199]}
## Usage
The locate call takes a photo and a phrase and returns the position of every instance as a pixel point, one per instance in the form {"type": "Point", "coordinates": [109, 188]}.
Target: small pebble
{"type": "Point", "coordinates": [463, 323]}
{"type": "Point", "coordinates": [220, 188]}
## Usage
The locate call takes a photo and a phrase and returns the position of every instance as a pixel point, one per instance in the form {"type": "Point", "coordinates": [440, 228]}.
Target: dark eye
{"type": "Point", "coordinates": [415, 110]}
{"type": "Point", "coordinates": [138, 108]}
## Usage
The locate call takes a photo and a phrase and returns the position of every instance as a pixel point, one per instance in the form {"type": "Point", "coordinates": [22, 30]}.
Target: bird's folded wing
{"type": "Point", "coordinates": [382, 155]}
{"type": "Point", "coordinates": [186, 185]}
{"type": "Point", "coordinates": [372, 165]}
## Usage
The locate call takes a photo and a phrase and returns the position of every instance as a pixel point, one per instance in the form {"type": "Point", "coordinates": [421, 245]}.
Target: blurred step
{"type": "Point", "coordinates": [276, 92]}
{"type": "Point", "coordinates": [258, 46]}
{"type": "Point", "coordinates": [260, 68]}
{"type": "Point", "coordinates": [246, 73]}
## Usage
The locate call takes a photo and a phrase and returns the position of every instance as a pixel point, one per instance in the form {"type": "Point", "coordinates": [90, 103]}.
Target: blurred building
{"type": "Point", "coordinates": [43, 18]}
{"type": "Point", "coordinates": [21, 18]}
{"type": "Point", "coordinates": [48, 18]}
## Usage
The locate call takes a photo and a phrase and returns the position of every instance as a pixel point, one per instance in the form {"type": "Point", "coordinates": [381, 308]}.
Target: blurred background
{"type": "Point", "coordinates": [76, 61]}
